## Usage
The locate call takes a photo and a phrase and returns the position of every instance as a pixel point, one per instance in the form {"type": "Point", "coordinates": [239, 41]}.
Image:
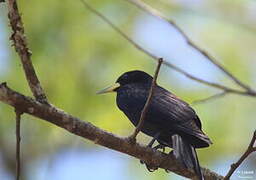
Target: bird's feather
{"type": "Point", "coordinates": [166, 112]}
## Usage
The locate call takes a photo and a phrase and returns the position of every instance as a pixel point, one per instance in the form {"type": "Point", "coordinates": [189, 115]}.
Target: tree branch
{"type": "Point", "coordinates": [148, 9]}
{"type": "Point", "coordinates": [19, 41]}
{"type": "Point", "coordinates": [249, 150]}
{"type": "Point", "coordinates": [168, 64]}
{"type": "Point", "coordinates": [145, 108]}
{"type": "Point", "coordinates": [215, 96]}
{"type": "Point", "coordinates": [98, 136]}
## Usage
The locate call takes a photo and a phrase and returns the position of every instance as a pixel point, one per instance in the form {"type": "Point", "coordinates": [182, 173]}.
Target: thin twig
{"type": "Point", "coordinates": [146, 106]}
{"type": "Point", "coordinates": [170, 65]}
{"type": "Point", "coordinates": [215, 96]}
{"type": "Point", "coordinates": [119, 31]}
{"type": "Point", "coordinates": [18, 115]}
{"type": "Point", "coordinates": [19, 40]}
{"type": "Point", "coordinates": [148, 9]}
{"type": "Point", "coordinates": [249, 150]}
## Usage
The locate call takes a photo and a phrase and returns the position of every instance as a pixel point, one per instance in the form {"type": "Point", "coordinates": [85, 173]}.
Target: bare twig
{"type": "Point", "coordinates": [119, 31]}
{"type": "Point", "coordinates": [190, 76]}
{"type": "Point", "coordinates": [249, 150]}
{"type": "Point", "coordinates": [148, 9]}
{"type": "Point", "coordinates": [215, 96]}
{"type": "Point", "coordinates": [18, 115]}
{"type": "Point", "coordinates": [93, 133]}
{"type": "Point", "coordinates": [19, 40]}
{"type": "Point", "coordinates": [146, 106]}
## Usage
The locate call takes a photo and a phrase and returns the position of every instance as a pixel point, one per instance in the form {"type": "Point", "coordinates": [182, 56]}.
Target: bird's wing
{"type": "Point", "coordinates": [175, 114]}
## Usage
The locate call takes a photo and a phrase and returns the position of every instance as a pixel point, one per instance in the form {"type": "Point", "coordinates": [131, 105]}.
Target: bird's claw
{"type": "Point", "coordinates": [150, 168]}
{"type": "Point", "coordinates": [171, 152]}
{"type": "Point", "coordinates": [159, 146]}
{"type": "Point", "coordinates": [167, 171]}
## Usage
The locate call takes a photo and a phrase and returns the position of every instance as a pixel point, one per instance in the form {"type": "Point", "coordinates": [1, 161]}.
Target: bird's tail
{"type": "Point", "coordinates": [186, 154]}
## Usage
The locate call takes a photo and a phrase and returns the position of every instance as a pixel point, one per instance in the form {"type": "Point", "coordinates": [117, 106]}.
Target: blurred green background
{"type": "Point", "coordinates": [75, 54]}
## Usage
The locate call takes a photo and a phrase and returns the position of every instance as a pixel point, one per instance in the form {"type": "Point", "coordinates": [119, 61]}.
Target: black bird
{"type": "Point", "coordinates": [169, 120]}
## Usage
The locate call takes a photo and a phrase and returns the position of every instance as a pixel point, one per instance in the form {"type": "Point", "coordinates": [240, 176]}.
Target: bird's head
{"type": "Point", "coordinates": [129, 77]}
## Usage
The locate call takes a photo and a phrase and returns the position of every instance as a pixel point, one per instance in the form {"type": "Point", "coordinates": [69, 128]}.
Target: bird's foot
{"type": "Point", "coordinates": [150, 167]}
{"type": "Point", "coordinates": [167, 171]}
{"type": "Point", "coordinates": [159, 146]}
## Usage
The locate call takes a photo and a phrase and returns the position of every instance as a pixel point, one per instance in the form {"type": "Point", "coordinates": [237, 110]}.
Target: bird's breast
{"type": "Point", "coordinates": [131, 102]}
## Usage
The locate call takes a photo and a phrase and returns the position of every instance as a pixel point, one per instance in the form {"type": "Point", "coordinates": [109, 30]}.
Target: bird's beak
{"type": "Point", "coordinates": [109, 89]}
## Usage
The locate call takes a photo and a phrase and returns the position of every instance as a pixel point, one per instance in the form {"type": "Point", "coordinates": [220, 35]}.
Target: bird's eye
{"type": "Point", "coordinates": [125, 76]}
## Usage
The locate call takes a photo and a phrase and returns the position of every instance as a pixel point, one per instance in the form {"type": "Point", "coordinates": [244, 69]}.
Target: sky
{"type": "Point", "coordinates": [4, 54]}
{"type": "Point", "coordinates": [165, 41]}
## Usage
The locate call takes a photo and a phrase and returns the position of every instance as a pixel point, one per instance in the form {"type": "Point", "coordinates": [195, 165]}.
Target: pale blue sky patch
{"type": "Point", "coordinates": [4, 54]}
{"type": "Point", "coordinates": [165, 41]}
